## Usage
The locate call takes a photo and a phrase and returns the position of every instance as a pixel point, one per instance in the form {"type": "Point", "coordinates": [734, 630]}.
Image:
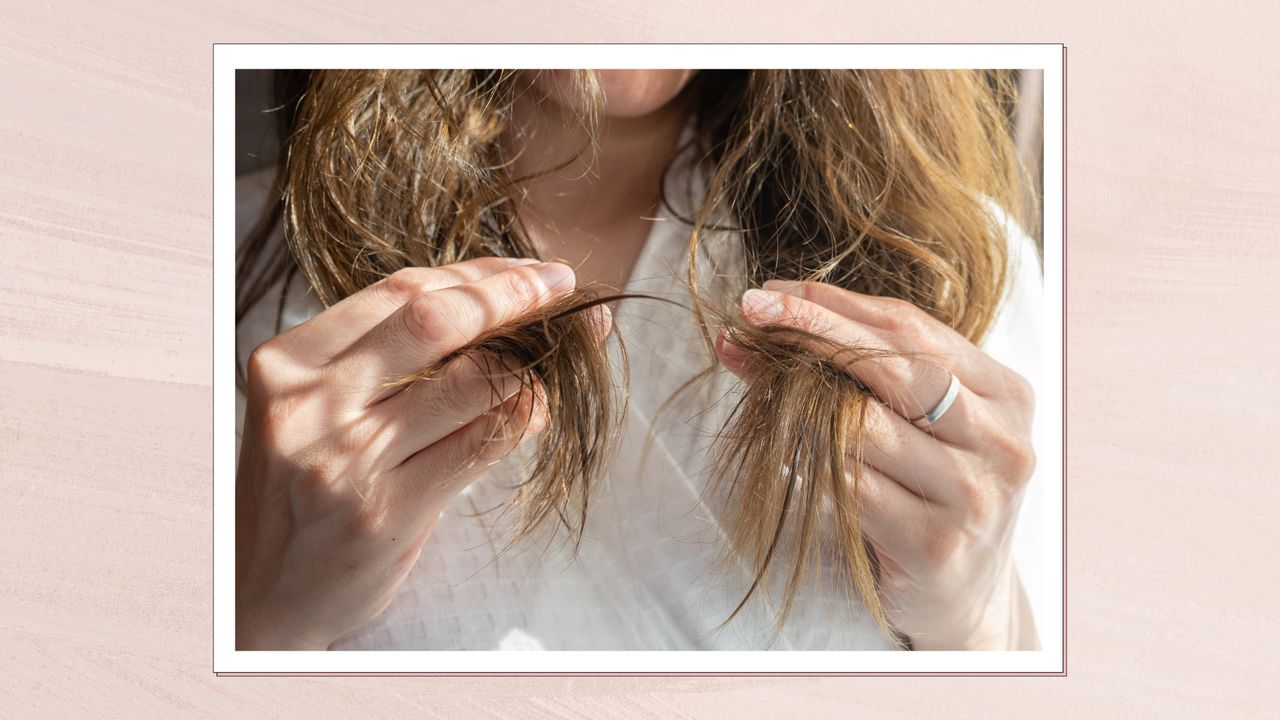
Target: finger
{"type": "Point", "coordinates": [977, 370]}
{"type": "Point", "coordinates": [335, 329]}
{"type": "Point", "coordinates": [888, 515]}
{"type": "Point", "coordinates": [436, 406]}
{"type": "Point", "coordinates": [435, 324]}
{"type": "Point", "coordinates": [736, 359]}
{"type": "Point", "coordinates": [900, 375]}
{"type": "Point", "coordinates": [919, 463]}
{"type": "Point", "coordinates": [899, 450]}
{"type": "Point", "coordinates": [906, 321]}
{"type": "Point", "coordinates": [432, 477]}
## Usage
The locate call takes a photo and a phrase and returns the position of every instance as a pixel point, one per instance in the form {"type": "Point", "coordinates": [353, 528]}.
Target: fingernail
{"type": "Point", "coordinates": [557, 276]}
{"type": "Point", "coordinates": [782, 286]}
{"type": "Point", "coordinates": [762, 304]}
{"type": "Point", "coordinates": [519, 262]}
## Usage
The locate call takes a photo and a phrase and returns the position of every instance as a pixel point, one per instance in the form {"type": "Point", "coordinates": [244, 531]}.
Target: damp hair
{"type": "Point", "coordinates": [554, 352]}
{"type": "Point", "coordinates": [878, 181]}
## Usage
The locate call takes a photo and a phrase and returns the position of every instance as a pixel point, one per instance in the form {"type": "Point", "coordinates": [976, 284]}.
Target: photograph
{"type": "Point", "coordinates": [762, 361]}
{"type": "Point", "coordinates": [638, 360]}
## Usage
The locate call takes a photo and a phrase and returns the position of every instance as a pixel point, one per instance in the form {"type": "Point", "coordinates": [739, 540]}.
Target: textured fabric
{"type": "Point", "coordinates": [645, 577]}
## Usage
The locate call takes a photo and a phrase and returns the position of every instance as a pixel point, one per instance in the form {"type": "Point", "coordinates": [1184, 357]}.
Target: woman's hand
{"type": "Point", "coordinates": [939, 504]}
{"type": "Point", "coordinates": [341, 478]}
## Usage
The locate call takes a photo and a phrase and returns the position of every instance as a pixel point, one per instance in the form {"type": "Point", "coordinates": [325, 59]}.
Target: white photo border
{"type": "Point", "coordinates": [1050, 58]}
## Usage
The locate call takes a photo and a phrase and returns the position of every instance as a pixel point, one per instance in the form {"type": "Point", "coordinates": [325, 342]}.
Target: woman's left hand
{"type": "Point", "coordinates": [939, 504]}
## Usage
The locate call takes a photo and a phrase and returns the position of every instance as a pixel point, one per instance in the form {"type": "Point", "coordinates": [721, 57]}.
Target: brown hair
{"type": "Point", "coordinates": [882, 182]}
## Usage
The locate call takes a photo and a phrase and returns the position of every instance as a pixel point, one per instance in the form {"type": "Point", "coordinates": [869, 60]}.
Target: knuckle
{"type": "Point", "coordinates": [318, 474]}
{"type": "Point", "coordinates": [315, 490]}
{"type": "Point", "coordinates": [1021, 391]}
{"type": "Point", "coordinates": [335, 456]}
{"type": "Point", "coordinates": [368, 521]}
{"type": "Point", "coordinates": [1015, 456]}
{"type": "Point", "coordinates": [326, 458]}
{"type": "Point", "coordinates": [426, 319]}
{"type": "Point", "coordinates": [362, 438]}
{"type": "Point", "coordinates": [264, 362]}
{"type": "Point", "coordinates": [407, 283]}
{"type": "Point", "coordinates": [329, 490]}
{"type": "Point", "coordinates": [464, 453]}
{"type": "Point", "coordinates": [901, 316]}
{"type": "Point", "coordinates": [940, 549]}
{"type": "Point", "coordinates": [457, 389]}
{"type": "Point", "coordinates": [908, 375]}
{"type": "Point", "coordinates": [973, 495]}
{"type": "Point", "coordinates": [1025, 464]}
{"type": "Point", "coordinates": [804, 291]}
{"type": "Point", "coordinates": [488, 264]}
{"type": "Point", "coordinates": [524, 286]}
{"type": "Point", "coordinates": [981, 501]}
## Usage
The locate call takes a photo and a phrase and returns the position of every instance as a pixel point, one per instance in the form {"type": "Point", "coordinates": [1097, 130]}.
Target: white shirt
{"type": "Point", "coordinates": [645, 578]}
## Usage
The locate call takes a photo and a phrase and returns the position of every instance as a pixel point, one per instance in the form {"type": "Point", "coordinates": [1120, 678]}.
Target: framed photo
{"type": "Point", "coordinates": [852, 179]}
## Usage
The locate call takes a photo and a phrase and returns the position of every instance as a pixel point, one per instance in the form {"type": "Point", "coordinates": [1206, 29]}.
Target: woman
{"type": "Point", "coordinates": [365, 510]}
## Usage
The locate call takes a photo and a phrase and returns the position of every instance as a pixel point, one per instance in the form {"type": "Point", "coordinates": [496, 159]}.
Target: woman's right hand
{"type": "Point", "coordinates": [341, 479]}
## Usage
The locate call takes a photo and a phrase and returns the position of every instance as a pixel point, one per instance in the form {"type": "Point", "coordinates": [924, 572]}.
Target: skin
{"type": "Point", "coordinates": [595, 214]}
{"type": "Point", "coordinates": [341, 481]}
{"type": "Point", "coordinates": [938, 504]}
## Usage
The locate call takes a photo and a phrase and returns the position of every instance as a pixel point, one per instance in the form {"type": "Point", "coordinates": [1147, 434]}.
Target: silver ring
{"type": "Point", "coordinates": [942, 407]}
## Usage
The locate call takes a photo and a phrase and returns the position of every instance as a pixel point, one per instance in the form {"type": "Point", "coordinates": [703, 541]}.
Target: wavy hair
{"type": "Point", "coordinates": [879, 181]}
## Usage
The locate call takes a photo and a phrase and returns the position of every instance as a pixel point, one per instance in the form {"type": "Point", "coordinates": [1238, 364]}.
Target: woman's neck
{"type": "Point", "coordinates": [594, 213]}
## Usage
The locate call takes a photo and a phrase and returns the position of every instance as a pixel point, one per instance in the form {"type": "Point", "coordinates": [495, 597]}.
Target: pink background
{"type": "Point", "coordinates": [105, 359]}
